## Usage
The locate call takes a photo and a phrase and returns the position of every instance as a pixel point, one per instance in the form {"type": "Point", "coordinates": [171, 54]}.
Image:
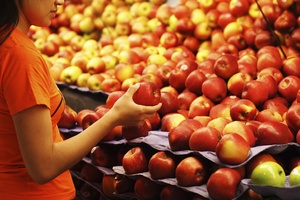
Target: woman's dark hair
{"type": "Point", "coordinates": [9, 18]}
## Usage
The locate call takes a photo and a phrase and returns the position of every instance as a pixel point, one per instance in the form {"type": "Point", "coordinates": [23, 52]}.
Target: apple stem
{"type": "Point", "coordinates": [271, 29]}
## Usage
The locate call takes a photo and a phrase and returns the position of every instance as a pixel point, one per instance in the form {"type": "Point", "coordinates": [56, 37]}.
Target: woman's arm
{"type": "Point", "coordinates": [45, 160]}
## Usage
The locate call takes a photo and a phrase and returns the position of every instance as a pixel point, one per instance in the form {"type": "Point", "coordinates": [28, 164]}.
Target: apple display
{"type": "Point", "coordinates": [268, 173]}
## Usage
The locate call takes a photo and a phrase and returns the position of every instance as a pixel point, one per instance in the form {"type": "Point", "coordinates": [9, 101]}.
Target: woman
{"type": "Point", "coordinates": [34, 160]}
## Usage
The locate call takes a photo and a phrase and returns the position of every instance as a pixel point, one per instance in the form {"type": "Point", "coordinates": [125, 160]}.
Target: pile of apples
{"type": "Point", "coordinates": [225, 71]}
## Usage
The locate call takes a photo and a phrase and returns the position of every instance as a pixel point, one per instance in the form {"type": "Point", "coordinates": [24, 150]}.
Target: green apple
{"type": "Point", "coordinates": [268, 173]}
{"type": "Point", "coordinates": [295, 176]}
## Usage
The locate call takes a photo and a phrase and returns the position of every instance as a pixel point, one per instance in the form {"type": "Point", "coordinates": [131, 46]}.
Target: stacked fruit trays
{"type": "Point", "coordinates": [228, 68]}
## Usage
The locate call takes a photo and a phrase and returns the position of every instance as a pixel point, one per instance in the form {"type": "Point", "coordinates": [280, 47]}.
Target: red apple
{"type": "Point", "coordinates": [239, 7]}
{"type": "Point", "coordinates": [104, 156]}
{"type": "Point", "coordinates": [223, 178]}
{"type": "Point", "coordinates": [154, 122]}
{"type": "Point", "coordinates": [215, 89]}
{"type": "Point", "coordinates": [240, 128]}
{"type": "Point", "coordinates": [135, 161]}
{"type": "Point", "coordinates": [95, 65]}
{"type": "Point", "coordinates": [276, 105]}
{"type": "Point", "coordinates": [232, 149]}
{"type": "Point", "coordinates": [144, 188]}
{"type": "Point", "coordinates": [288, 87]}
{"type": "Point", "coordinates": [269, 115]}
{"type": "Point", "coordinates": [133, 132]}
{"type": "Point", "coordinates": [220, 110]}
{"type": "Point", "coordinates": [225, 66]}
{"type": "Point", "coordinates": [191, 171]}
{"type": "Point", "coordinates": [268, 56]}
{"type": "Point", "coordinates": [204, 139]}
{"type": "Point", "coordinates": [293, 117]}
{"type": "Point", "coordinates": [218, 123]}
{"type": "Point", "coordinates": [200, 107]}
{"type": "Point", "coordinates": [178, 78]}
{"type": "Point", "coordinates": [230, 100]}
{"type": "Point", "coordinates": [123, 184]}
{"type": "Point", "coordinates": [171, 120]}
{"type": "Point", "coordinates": [110, 85]}
{"type": "Point", "coordinates": [272, 132]}
{"type": "Point", "coordinates": [290, 66]}
{"type": "Point", "coordinates": [194, 81]}
{"type": "Point", "coordinates": [162, 165]}
{"type": "Point", "coordinates": [179, 137]}
{"type": "Point", "coordinates": [236, 83]}
{"type": "Point", "coordinates": [150, 77]}
{"type": "Point", "coordinates": [68, 118]}
{"type": "Point", "coordinates": [81, 114]}
{"type": "Point", "coordinates": [163, 72]}
{"type": "Point", "coordinates": [148, 94]}
{"type": "Point", "coordinates": [243, 110]}
{"type": "Point", "coordinates": [255, 91]}
{"type": "Point", "coordinates": [271, 84]}
{"type": "Point", "coordinates": [168, 39]}
{"type": "Point", "coordinates": [185, 99]}
{"type": "Point", "coordinates": [185, 26]}
{"type": "Point", "coordinates": [89, 119]}
{"type": "Point", "coordinates": [286, 22]}
{"type": "Point", "coordinates": [170, 103]}
{"type": "Point", "coordinates": [276, 73]}
{"type": "Point", "coordinates": [113, 97]}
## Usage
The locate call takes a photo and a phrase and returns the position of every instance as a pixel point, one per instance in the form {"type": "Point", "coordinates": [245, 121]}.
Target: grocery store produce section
{"type": "Point", "coordinates": [227, 73]}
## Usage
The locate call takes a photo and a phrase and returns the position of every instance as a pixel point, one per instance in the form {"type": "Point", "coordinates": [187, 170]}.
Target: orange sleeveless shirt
{"type": "Point", "coordinates": [25, 81]}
